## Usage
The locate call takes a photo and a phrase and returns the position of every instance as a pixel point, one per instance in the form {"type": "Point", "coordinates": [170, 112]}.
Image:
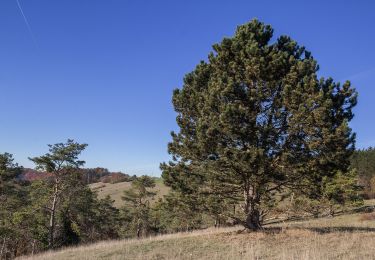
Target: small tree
{"type": "Point", "coordinates": [137, 204]}
{"type": "Point", "coordinates": [338, 191]}
{"type": "Point", "coordinates": [341, 190]}
{"type": "Point", "coordinates": [107, 219]}
{"type": "Point", "coordinates": [177, 212]}
{"type": "Point", "coordinates": [84, 217]}
{"type": "Point", "coordinates": [61, 161]}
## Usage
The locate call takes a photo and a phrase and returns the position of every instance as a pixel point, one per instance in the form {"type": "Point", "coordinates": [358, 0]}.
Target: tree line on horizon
{"type": "Point", "coordinates": [88, 175]}
{"type": "Point", "coordinates": [260, 136]}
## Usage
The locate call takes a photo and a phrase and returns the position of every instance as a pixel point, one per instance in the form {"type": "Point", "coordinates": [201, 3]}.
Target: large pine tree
{"type": "Point", "coordinates": [255, 120]}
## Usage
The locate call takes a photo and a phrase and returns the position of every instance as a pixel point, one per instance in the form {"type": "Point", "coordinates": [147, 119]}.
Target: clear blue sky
{"type": "Point", "coordinates": [103, 71]}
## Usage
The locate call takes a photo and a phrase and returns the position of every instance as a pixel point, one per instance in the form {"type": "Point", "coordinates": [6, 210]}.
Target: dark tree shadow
{"type": "Point", "coordinates": [273, 230]}
{"type": "Point", "coordinates": [326, 230]}
{"type": "Point", "coordinates": [267, 230]}
{"type": "Point", "coordinates": [319, 230]}
{"type": "Point", "coordinates": [363, 209]}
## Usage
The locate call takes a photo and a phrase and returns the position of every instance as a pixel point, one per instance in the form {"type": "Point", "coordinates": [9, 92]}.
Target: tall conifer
{"type": "Point", "coordinates": [255, 120]}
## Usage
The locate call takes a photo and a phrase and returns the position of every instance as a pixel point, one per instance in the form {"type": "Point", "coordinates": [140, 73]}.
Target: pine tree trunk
{"type": "Point", "coordinates": [33, 247]}
{"type": "Point", "coordinates": [252, 213]}
{"type": "Point", "coordinates": [331, 211]}
{"type": "Point", "coordinates": [138, 229]}
{"type": "Point", "coordinates": [216, 222]}
{"type": "Point", "coordinates": [2, 248]}
{"type": "Point", "coordinates": [52, 219]}
{"type": "Point", "coordinates": [253, 220]}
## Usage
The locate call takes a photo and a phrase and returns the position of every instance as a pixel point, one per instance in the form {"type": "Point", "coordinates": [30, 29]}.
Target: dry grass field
{"type": "Point", "coordinates": [344, 237]}
{"type": "Point", "coordinates": [116, 190]}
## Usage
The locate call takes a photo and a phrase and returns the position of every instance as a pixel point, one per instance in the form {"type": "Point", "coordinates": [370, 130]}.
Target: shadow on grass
{"type": "Point", "coordinates": [363, 209]}
{"type": "Point", "coordinates": [266, 230]}
{"type": "Point", "coordinates": [326, 230]}
{"type": "Point", "coordinates": [319, 230]}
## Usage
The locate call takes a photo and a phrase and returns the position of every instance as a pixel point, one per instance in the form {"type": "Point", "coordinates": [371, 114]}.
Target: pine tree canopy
{"type": "Point", "coordinates": [255, 119]}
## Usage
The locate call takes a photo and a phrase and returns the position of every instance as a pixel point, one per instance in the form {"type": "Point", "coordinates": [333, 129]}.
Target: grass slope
{"type": "Point", "coordinates": [116, 190]}
{"type": "Point", "coordinates": [342, 237]}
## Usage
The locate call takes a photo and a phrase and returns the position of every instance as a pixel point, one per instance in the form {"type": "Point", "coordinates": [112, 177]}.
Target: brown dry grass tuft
{"type": "Point", "coordinates": [368, 217]}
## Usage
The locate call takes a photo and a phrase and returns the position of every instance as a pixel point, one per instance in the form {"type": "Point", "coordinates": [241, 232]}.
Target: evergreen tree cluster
{"type": "Point", "coordinates": [54, 212]}
{"type": "Point", "coordinates": [61, 209]}
{"type": "Point", "coordinates": [51, 212]}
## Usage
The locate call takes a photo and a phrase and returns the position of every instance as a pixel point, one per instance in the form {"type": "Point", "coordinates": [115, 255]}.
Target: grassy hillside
{"type": "Point", "coordinates": [116, 190]}
{"type": "Point", "coordinates": [342, 237]}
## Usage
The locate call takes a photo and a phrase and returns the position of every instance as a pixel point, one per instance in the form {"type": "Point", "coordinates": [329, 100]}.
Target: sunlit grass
{"type": "Point", "coordinates": [116, 190]}
{"type": "Point", "coordinates": [342, 237]}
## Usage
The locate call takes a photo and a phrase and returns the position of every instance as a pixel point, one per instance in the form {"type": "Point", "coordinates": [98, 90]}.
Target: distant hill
{"type": "Point", "coordinates": [33, 175]}
{"type": "Point", "coordinates": [102, 181]}
{"type": "Point", "coordinates": [116, 190]}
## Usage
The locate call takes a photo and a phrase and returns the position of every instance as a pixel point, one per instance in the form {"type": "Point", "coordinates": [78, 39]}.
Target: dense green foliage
{"type": "Point", "coordinates": [256, 121]}
{"type": "Point", "coordinates": [12, 199]}
{"type": "Point", "coordinates": [364, 162]}
{"type": "Point", "coordinates": [338, 192]}
{"type": "Point", "coordinates": [176, 212]}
